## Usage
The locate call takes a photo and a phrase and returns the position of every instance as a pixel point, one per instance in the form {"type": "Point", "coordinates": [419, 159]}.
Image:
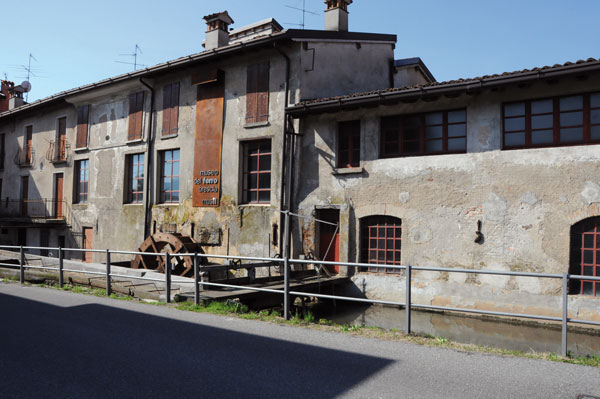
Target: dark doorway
{"type": "Point", "coordinates": [44, 241]}
{"type": "Point", "coordinates": [329, 237]}
{"type": "Point", "coordinates": [22, 236]}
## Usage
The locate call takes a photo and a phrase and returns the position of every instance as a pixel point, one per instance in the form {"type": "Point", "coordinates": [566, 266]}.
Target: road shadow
{"type": "Point", "coordinates": [96, 351]}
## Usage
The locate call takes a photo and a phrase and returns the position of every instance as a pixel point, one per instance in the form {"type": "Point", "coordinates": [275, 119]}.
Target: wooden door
{"type": "Point", "coordinates": [87, 243]}
{"type": "Point", "coordinates": [24, 194]}
{"type": "Point", "coordinates": [329, 237]}
{"type": "Point", "coordinates": [58, 203]}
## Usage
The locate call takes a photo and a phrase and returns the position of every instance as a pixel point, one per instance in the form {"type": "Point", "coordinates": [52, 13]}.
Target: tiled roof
{"type": "Point", "coordinates": [566, 65]}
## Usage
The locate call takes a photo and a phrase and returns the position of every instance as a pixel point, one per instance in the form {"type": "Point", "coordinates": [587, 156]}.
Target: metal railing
{"type": "Point", "coordinates": [408, 304]}
{"type": "Point", "coordinates": [41, 208]}
{"type": "Point", "coordinates": [25, 157]}
{"type": "Point", "coordinates": [58, 151]}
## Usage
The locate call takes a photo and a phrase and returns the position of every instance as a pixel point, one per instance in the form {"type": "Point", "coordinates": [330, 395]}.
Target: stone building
{"type": "Point", "coordinates": [499, 172]}
{"type": "Point", "coordinates": [192, 146]}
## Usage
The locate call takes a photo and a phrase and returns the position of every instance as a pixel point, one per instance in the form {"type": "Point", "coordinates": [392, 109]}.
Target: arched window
{"type": "Point", "coordinates": [381, 242]}
{"type": "Point", "coordinates": [585, 256]}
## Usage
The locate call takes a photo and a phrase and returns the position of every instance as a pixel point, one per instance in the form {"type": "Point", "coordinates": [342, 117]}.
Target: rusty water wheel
{"type": "Point", "coordinates": [174, 244]}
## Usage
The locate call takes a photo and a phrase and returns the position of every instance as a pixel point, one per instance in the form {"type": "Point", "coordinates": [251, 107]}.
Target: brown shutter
{"type": "Point", "coordinates": [82, 126]}
{"type": "Point", "coordinates": [251, 94]}
{"type": "Point", "coordinates": [132, 117]}
{"type": "Point", "coordinates": [174, 108]}
{"type": "Point", "coordinates": [263, 92]}
{"type": "Point", "coordinates": [166, 114]}
{"type": "Point", "coordinates": [139, 115]}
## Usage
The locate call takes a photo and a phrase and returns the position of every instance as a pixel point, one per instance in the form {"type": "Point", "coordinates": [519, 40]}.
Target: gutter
{"type": "Point", "coordinates": [381, 97]}
{"type": "Point", "coordinates": [148, 167]}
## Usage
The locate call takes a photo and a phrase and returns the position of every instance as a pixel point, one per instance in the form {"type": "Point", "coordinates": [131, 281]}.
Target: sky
{"type": "Point", "coordinates": [76, 42]}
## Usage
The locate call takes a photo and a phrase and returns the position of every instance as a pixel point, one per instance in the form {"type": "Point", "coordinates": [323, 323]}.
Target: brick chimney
{"type": "Point", "coordinates": [336, 15]}
{"type": "Point", "coordinates": [217, 30]}
{"type": "Point", "coordinates": [5, 86]}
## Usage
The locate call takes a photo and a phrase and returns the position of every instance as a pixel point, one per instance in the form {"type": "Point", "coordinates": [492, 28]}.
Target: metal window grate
{"type": "Point", "coordinates": [590, 260]}
{"type": "Point", "coordinates": [257, 172]}
{"type": "Point", "coordinates": [381, 242]}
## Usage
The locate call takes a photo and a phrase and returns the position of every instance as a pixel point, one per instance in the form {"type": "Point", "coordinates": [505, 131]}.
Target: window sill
{"type": "Point", "coordinates": [259, 204]}
{"type": "Point", "coordinates": [133, 204]}
{"type": "Point", "coordinates": [167, 204]}
{"type": "Point", "coordinates": [135, 141]}
{"type": "Point", "coordinates": [80, 206]}
{"type": "Point", "coordinates": [348, 171]}
{"type": "Point", "coordinates": [256, 124]}
{"type": "Point", "coordinates": [168, 136]}
{"type": "Point", "coordinates": [82, 149]}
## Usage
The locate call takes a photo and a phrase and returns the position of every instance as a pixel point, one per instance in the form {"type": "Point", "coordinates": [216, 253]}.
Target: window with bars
{"type": "Point", "coordinates": [585, 256]}
{"type": "Point", "coordinates": [442, 132]}
{"type": "Point", "coordinates": [170, 112]}
{"type": "Point", "coordinates": [82, 174]}
{"type": "Point", "coordinates": [135, 178]}
{"type": "Point", "coordinates": [557, 121]}
{"type": "Point", "coordinates": [136, 106]}
{"type": "Point", "coordinates": [381, 242]}
{"type": "Point", "coordinates": [169, 177]}
{"type": "Point", "coordinates": [257, 172]}
{"type": "Point", "coordinates": [348, 154]}
{"type": "Point", "coordinates": [257, 93]}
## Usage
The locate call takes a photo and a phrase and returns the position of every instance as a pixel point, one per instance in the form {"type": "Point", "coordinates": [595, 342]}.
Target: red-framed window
{"type": "Point", "coordinates": [257, 172]}
{"type": "Point", "coordinates": [82, 177]}
{"type": "Point", "coordinates": [348, 154]}
{"type": "Point", "coordinates": [135, 178]}
{"type": "Point", "coordinates": [585, 256]}
{"type": "Point", "coordinates": [381, 242]}
{"type": "Point", "coordinates": [548, 122]}
{"type": "Point", "coordinates": [169, 177]}
{"type": "Point", "coordinates": [441, 132]}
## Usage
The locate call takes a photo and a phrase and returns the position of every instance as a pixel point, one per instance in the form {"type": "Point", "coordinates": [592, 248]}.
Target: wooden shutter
{"type": "Point", "coordinates": [251, 94]}
{"type": "Point", "coordinates": [170, 108]}
{"type": "Point", "coordinates": [263, 92]}
{"type": "Point", "coordinates": [82, 126]}
{"type": "Point", "coordinates": [136, 104]}
{"type": "Point", "coordinates": [166, 114]}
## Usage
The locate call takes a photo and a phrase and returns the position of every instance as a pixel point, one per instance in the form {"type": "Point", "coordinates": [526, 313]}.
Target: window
{"type": "Point", "coordinates": [136, 105]}
{"type": "Point", "coordinates": [60, 150]}
{"type": "Point", "coordinates": [348, 154]}
{"type": "Point", "coordinates": [28, 145]}
{"type": "Point", "coordinates": [424, 134]}
{"type": "Point", "coordinates": [169, 177]}
{"type": "Point", "coordinates": [552, 121]}
{"type": "Point", "coordinates": [257, 172]}
{"type": "Point", "coordinates": [257, 93]}
{"type": "Point", "coordinates": [381, 241]}
{"type": "Point", "coordinates": [2, 151]}
{"type": "Point", "coordinates": [585, 256]}
{"type": "Point", "coordinates": [83, 116]}
{"type": "Point", "coordinates": [170, 112]}
{"type": "Point", "coordinates": [135, 178]}
{"type": "Point", "coordinates": [82, 174]}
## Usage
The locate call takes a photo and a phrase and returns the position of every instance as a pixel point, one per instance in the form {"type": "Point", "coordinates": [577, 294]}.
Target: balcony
{"type": "Point", "coordinates": [25, 157]}
{"type": "Point", "coordinates": [43, 210]}
{"type": "Point", "coordinates": [58, 151]}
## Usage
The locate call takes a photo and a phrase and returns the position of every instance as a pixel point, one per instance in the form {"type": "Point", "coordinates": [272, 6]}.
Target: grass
{"type": "Point", "coordinates": [237, 309]}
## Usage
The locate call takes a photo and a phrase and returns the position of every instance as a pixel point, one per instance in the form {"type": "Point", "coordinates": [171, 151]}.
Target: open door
{"type": "Point", "coordinates": [329, 237]}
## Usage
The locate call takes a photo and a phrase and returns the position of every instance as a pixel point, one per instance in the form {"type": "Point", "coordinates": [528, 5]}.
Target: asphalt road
{"type": "Point", "coordinates": [56, 344]}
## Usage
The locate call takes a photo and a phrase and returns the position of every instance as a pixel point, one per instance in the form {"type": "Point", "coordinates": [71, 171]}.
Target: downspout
{"type": "Point", "coordinates": [148, 199]}
{"type": "Point", "coordinates": [282, 197]}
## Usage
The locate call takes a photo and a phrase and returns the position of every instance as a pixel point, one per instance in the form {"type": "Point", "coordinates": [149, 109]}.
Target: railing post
{"type": "Point", "coordinates": [22, 265]}
{"type": "Point", "coordinates": [108, 286]}
{"type": "Point", "coordinates": [196, 280]}
{"type": "Point", "coordinates": [408, 289]}
{"type": "Point", "coordinates": [60, 267]}
{"type": "Point", "coordinates": [286, 267]}
{"type": "Point", "coordinates": [565, 317]}
{"type": "Point", "coordinates": [168, 276]}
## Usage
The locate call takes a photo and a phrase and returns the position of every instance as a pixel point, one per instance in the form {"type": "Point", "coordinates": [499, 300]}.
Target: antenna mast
{"type": "Point", "coordinates": [134, 55]}
{"type": "Point", "coordinates": [304, 12]}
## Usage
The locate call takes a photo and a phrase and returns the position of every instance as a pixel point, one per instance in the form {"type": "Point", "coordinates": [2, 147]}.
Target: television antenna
{"type": "Point", "coordinates": [134, 55]}
{"type": "Point", "coordinates": [304, 12]}
{"type": "Point", "coordinates": [31, 71]}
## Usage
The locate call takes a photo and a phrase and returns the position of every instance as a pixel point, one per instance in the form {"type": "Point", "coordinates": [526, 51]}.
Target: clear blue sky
{"type": "Point", "coordinates": [77, 42]}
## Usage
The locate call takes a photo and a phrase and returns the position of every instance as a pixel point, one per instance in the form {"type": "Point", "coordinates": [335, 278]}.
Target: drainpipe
{"type": "Point", "coordinates": [148, 199]}
{"type": "Point", "coordinates": [282, 197]}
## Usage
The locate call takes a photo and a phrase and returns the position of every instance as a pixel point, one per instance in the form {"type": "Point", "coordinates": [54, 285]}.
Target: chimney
{"type": "Point", "coordinates": [336, 15]}
{"type": "Point", "coordinates": [5, 86]}
{"type": "Point", "coordinates": [217, 30]}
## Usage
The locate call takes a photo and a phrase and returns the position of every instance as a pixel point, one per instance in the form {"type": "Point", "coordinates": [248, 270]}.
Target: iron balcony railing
{"type": "Point", "coordinates": [58, 151]}
{"type": "Point", "coordinates": [25, 157]}
{"type": "Point", "coordinates": [42, 208]}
